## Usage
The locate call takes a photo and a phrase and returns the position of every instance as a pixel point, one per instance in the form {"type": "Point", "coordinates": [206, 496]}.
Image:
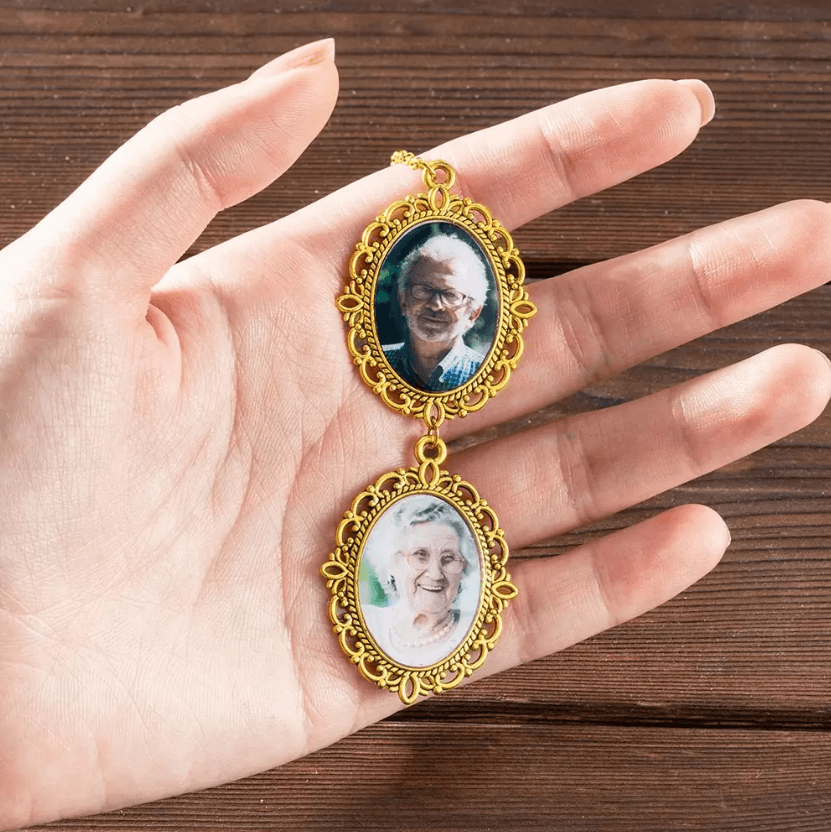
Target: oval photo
{"type": "Point", "coordinates": [436, 306]}
{"type": "Point", "coordinates": [419, 580]}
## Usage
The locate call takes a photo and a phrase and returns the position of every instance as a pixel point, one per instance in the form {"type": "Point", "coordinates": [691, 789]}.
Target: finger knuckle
{"type": "Point", "coordinates": [578, 476]}
{"type": "Point", "coordinates": [176, 129]}
{"type": "Point", "coordinates": [583, 328]}
{"type": "Point", "coordinates": [685, 424]}
{"type": "Point", "coordinates": [700, 281]}
{"type": "Point", "coordinates": [560, 160]}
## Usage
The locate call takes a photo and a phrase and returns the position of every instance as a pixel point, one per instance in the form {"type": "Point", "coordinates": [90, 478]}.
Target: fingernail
{"type": "Point", "coordinates": [705, 98]}
{"type": "Point", "coordinates": [309, 54]}
{"type": "Point", "coordinates": [727, 535]}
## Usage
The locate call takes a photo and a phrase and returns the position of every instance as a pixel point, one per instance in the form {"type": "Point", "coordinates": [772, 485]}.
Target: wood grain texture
{"type": "Point", "coordinates": [77, 84]}
{"type": "Point", "coordinates": [477, 777]}
{"type": "Point", "coordinates": [711, 713]}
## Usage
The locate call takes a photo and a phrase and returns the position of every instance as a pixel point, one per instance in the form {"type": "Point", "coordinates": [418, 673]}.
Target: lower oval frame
{"type": "Point", "coordinates": [419, 558]}
{"type": "Point", "coordinates": [342, 569]}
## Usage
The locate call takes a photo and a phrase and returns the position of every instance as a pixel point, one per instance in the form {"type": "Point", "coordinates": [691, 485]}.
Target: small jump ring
{"type": "Point", "coordinates": [428, 441]}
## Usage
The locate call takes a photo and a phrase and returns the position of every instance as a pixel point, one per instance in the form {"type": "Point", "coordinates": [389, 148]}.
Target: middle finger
{"type": "Point", "coordinates": [603, 318]}
{"type": "Point", "coordinates": [559, 476]}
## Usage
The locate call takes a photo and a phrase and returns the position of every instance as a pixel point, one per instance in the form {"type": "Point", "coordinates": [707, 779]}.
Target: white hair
{"type": "Point", "coordinates": [444, 248]}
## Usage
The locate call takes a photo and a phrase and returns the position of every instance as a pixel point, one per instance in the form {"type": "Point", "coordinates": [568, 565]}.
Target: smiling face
{"type": "Point", "coordinates": [429, 567]}
{"type": "Point", "coordinates": [431, 305]}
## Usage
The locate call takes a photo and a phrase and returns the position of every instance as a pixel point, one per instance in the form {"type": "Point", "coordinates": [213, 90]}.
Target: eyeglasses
{"type": "Point", "coordinates": [449, 297]}
{"type": "Point", "coordinates": [449, 562]}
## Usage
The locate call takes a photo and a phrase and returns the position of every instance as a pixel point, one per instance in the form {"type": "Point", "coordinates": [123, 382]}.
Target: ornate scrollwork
{"type": "Point", "coordinates": [357, 303]}
{"type": "Point", "coordinates": [341, 572]}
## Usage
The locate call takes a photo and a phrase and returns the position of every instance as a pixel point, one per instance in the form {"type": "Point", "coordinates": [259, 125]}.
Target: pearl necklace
{"type": "Point", "coordinates": [442, 633]}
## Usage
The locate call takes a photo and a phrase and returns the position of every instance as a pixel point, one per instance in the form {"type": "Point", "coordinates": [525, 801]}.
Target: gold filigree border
{"type": "Point", "coordinates": [357, 303]}
{"type": "Point", "coordinates": [341, 574]}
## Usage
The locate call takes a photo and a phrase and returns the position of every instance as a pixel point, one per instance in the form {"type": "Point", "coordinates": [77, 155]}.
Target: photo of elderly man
{"type": "Point", "coordinates": [442, 288]}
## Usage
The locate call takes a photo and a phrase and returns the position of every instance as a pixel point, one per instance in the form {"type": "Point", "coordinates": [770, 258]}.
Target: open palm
{"type": "Point", "coordinates": [178, 442]}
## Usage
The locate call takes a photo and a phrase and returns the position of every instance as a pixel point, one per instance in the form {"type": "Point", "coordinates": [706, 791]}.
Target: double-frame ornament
{"type": "Point", "coordinates": [435, 308]}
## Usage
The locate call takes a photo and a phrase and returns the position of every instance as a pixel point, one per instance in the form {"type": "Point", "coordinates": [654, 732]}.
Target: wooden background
{"type": "Point", "coordinates": [711, 713]}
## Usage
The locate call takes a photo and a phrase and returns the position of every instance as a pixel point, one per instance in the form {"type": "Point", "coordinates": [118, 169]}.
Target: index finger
{"type": "Point", "coordinates": [519, 169]}
{"type": "Point", "coordinates": [117, 234]}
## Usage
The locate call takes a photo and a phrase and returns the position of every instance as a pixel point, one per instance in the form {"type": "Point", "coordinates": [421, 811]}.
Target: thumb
{"type": "Point", "coordinates": [119, 232]}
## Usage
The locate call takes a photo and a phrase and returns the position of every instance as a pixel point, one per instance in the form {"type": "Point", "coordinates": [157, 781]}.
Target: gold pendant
{"type": "Point", "coordinates": [435, 308]}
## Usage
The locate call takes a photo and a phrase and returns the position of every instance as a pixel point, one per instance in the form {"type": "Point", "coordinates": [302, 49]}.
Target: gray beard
{"type": "Point", "coordinates": [434, 334]}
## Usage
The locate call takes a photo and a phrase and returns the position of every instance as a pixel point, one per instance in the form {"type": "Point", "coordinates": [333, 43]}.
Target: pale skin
{"type": "Point", "coordinates": [433, 328]}
{"type": "Point", "coordinates": [178, 441]}
{"type": "Point", "coordinates": [426, 593]}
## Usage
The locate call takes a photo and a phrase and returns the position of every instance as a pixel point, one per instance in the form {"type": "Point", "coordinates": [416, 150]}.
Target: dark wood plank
{"type": "Point", "coordinates": [75, 85]}
{"type": "Point", "coordinates": [566, 778]}
{"type": "Point", "coordinates": [804, 10]}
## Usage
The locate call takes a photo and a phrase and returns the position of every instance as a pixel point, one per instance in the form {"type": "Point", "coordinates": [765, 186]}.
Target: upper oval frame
{"type": "Point", "coordinates": [358, 301]}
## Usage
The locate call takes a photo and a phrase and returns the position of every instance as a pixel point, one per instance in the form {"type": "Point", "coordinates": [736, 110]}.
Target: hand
{"type": "Point", "coordinates": [179, 440]}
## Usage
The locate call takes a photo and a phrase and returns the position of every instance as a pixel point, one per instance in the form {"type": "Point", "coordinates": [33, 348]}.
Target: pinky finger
{"type": "Point", "coordinates": [567, 599]}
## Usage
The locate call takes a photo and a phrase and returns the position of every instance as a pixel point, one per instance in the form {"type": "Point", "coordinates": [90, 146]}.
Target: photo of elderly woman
{"type": "Point", "coordinates": [436, 307]}
{"type": "Point", "coordinates": [420, 579]}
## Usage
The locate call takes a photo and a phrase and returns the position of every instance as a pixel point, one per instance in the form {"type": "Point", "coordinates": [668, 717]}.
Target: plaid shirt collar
{"type": "Point", "coordinates": [454, 370]}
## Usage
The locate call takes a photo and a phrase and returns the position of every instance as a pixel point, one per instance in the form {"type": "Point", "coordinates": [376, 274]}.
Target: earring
{"type": "Point", "coordinates": [442, 243]}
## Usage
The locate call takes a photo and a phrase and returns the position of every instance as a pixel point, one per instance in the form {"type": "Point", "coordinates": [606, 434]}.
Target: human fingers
{"type": "Point", "coordinates": [558, 476]}
{"type": "Point", "coordinates": [606, 317]}
{"type": "Point", "coordinates": [540, 161]}
{"type": "Point", "coordinates": [519, 169]}
{"type": "Point", "coordinates": [119, 232]}
{"type": "Point", "coordinates": [601, 584]}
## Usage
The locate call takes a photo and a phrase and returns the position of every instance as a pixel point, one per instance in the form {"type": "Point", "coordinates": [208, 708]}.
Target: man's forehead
{"type": "Point", "coordinates": [442, 275]}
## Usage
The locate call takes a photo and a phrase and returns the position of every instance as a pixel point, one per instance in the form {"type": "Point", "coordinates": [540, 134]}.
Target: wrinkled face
{"type": "Point", "coordinates": [431, 301]}
{"type": "Point", "coordinates": [429, 567]}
